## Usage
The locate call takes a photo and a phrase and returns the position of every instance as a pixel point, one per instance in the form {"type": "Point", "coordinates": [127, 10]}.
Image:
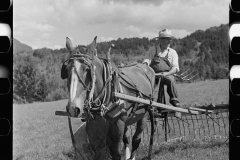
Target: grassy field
{"type": "Point", "coordinates": [39, 134]}
{"type": "Point", "coordinates": [204, 92]}
{"type": "Point", "coordinates": [187, 150]}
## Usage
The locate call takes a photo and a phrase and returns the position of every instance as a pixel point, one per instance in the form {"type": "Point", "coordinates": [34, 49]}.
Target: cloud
{"type": "Point", "coordinates": [174, 14]}
{"type": "Point", "coordinates": [133, 29]}
{"type": "Point", "coordinates": [57, 47]}
{"type": "Point", "coordinates": [51, 21]}
{"type": "Point", "coordinates": [34, 24]}
{"type": "Point", "coordinates": [41, 27]}
{"type": "Point", "coordinates": [33, 29]}
{"type": "Point", "coordinates": [104, 39]}
{"type": "Point", "coordinates": [144, 2]}
{"type": "Point", "coordinates": [149, 35]}
{"type": "Point", "coordinates": [180, 33]}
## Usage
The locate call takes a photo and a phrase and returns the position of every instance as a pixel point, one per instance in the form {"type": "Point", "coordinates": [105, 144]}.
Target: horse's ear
{"type": "Point", "coordinates": [69, 44]}
{"type": "Point", "coordinates": [94, 42]}
{"type": "Point", "coordinates": [93, 45]}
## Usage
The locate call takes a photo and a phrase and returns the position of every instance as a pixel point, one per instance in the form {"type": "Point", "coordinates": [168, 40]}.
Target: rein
{"type": "Point", "coordinates": [98, 106]}
{"type": "Point", "coordinates": [85, 59]}
{"type": "Point", "coordinates": [93, 106]}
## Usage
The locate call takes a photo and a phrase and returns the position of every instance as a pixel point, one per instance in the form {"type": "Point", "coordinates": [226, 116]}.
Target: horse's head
{"type": "Point", "coordinates": [81, 67]}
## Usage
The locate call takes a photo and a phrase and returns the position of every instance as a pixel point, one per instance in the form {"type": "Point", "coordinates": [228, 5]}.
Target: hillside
{"type": "Point", "coordinates": [20, 47]}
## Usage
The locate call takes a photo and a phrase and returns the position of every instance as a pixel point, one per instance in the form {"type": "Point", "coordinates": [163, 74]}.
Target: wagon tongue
{"type": "Point", "coordinates": [61, 113]}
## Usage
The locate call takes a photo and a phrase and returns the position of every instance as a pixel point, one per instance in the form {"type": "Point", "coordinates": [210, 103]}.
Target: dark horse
{"type": "Point", "coordinates": [91, 84]}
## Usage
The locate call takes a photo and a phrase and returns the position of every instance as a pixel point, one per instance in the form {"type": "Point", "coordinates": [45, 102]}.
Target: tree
{"type": "Point", "coordinates": [214, 68]}
{"type": "Point", "coordinates": [25, 79]}
{"type": "Point", "coordinates": [41, 89]}
{"type": "Point", "coordinates": [208, 72]}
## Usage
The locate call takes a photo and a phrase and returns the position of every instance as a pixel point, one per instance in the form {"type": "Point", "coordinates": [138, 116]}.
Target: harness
{"type": "Point", "coordinates": [100, 103]}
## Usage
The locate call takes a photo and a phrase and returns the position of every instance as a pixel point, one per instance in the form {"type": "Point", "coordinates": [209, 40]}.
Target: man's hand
{"type": "Point", "coordinates": [145, 63]}
{"type": "Point", "coordinates": [164, 74]}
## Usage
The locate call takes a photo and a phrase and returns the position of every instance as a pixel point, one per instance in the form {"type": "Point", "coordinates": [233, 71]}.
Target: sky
{"type": "Point", "coordinates": [47, 23]}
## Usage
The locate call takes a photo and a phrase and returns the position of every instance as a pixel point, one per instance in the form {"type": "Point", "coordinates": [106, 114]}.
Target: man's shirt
{"type": "Point", "coordinates": [172, 56]}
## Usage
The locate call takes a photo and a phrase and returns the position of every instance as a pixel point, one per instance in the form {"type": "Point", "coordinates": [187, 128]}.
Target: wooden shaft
{"type": "Point", "coordinates": [61, 113]}
{"type": "Point", "coordinates": [155, 104]}
{"type": "Point", "coordinates": [201, 110]}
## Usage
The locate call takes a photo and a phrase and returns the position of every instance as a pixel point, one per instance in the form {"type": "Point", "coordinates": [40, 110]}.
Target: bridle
{"type": "Point", "coordinates": [93, 106]}
{"type": "Point", "coordinates": [87, 61]}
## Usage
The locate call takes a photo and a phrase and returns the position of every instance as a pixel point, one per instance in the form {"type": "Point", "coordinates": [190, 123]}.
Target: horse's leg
{"type": "Point", "coordinates": [126, 141]}
{"type": "Point", "coordinates": [137, 135]}
{"type": "Point", "coordinates": [116, 132]}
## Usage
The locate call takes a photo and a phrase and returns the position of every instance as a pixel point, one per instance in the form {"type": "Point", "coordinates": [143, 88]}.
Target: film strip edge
{"type": "Point", "coordinates": [6, 80]}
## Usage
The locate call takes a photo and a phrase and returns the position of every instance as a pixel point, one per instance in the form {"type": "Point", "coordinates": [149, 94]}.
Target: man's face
{"type": "Point", "coordinates": [165, 42]}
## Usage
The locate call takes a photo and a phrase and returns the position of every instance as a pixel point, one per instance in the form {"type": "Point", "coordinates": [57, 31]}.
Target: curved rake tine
{"type": "Point", "coordinates": [184, 75]}
{"type": "Point", "coordinates": [177, 76]}
{"type": "Point", "coordinates": [194, 76]}
{"type": "Point", "coordinates": [191, 77]}
{"type": "Point", "coordinates": [184, 72]}
{"type": "Point", "coordinates": [188, 74]}
{"type": "Point", "coordinates": [185, 79]}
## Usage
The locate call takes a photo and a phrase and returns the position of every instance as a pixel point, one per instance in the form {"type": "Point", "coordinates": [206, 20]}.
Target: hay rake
{"type": "Point", "coordinates": [186, 76]}
{"type": "Point", "coordinates": [198, 122]}
{"type": "Point", "coordinates": [209, 125]}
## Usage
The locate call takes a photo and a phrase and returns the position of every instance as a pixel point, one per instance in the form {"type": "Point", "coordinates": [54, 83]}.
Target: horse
{"type": "Point", "coordinates": [91, 83]}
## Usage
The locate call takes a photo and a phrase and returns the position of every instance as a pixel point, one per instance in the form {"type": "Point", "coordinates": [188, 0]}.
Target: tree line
{"type": "Point", "coordinates": [37, 73]}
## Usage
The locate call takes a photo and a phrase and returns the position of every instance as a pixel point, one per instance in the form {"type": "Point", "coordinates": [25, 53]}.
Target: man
{"type": "Point", "coordinates": [164, 61]}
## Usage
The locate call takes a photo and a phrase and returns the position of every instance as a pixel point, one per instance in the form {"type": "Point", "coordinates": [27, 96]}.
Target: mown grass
{"type": "Point", "coordinates": [188, 150]}
{"type": "Point", "coordinates": [204, 92]}
{"type": "Point", "coordinates": [39, 134]}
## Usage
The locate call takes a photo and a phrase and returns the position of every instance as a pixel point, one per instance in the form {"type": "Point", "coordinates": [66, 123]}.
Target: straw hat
{"type": "Point", "coordinates": [165, 33]}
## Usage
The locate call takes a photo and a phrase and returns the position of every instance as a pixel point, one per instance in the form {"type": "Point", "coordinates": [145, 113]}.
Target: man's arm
{"type": "Point", "coordinates": [171, 72]}
{"type": "Point", "coordinates": [149, 55]}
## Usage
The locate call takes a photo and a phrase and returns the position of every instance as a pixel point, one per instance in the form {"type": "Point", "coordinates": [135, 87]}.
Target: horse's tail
{"type": "Point", "coordinates": [152, 133]}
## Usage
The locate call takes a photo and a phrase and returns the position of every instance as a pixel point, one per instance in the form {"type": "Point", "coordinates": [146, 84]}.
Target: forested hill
{"type": "Point", "coordinates": [206, 51]}
{"type": "Point", "coordinates": [37, 72]}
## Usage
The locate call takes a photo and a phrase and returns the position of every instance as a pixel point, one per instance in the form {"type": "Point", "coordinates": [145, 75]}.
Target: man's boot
{"type": "Point", "coordinates": [175, 103]}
